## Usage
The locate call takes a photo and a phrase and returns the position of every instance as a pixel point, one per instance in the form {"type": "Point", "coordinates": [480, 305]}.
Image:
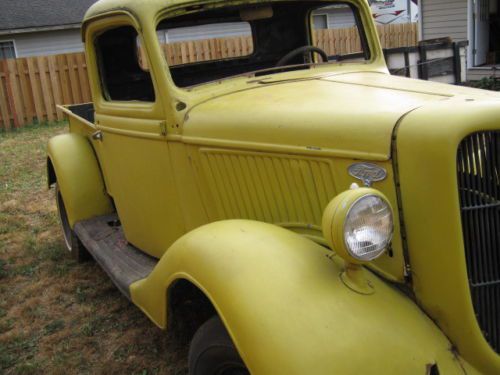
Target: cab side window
{"type": "Point", "coordinates": [119, 60]}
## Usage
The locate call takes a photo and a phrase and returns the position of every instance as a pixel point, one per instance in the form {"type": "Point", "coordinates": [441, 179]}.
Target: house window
{"type": "Point", "coordinates": [7, 50]}
{"type": "Point", "coordinates": [320, 21]}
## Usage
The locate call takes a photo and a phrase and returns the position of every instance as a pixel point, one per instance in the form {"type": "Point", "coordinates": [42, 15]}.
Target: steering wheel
{"type": "Point", "coordinates": [297, 51]}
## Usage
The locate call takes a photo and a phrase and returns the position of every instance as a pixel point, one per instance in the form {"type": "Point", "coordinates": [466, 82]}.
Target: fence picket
{"type": "Point", "coordinates": [16, 102]}
{"type": "Point", "coordinates": [73, 79]}
{"type": "Point", "coordinates": [56, 90]}
{"type": "Point", "coordinates": [4, 108]}
{"type": "Point", "coordinates": [63, 78]}
{"type": "Point", "coordinates": [46, 93]}
{"type": "Point", "coordinates": [35, 89]}
{"type": "Point", "coordinates": [25, 90]}
{"type": "Point", "coordinates": [82, 74]}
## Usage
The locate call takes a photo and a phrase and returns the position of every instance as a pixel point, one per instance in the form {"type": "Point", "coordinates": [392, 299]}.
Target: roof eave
{"type": "Point", "coordinates": [39, 28]}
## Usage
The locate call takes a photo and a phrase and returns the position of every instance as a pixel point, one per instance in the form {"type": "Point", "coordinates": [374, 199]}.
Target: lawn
{"type": "Point", "coordinates": [57, 316]}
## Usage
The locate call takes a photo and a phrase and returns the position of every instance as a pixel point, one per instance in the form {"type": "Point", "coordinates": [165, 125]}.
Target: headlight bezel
{"type": "Point", "coordinates": [387, 240]}
{"type": "Point", "coordinates": [335, 218]}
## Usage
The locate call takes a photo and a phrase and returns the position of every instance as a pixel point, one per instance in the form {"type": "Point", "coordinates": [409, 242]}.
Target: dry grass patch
{"type": "Point", "coordinates": [57, 316]}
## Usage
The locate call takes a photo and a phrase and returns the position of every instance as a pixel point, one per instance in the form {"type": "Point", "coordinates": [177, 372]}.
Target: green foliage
{"type": "Point", "coordinates": [29, 368]}
{"type": "Point", "coordinates": [20, 350]}
{"type": "Point", "coordinates": [28, 270]}
{"type": "Point", "coordinates": [3, 269]}
{"type": "Point", "coordinates": [53, 327]}
{"type": "Point", "coordinates": [6, 325]}
{"type": "Point", "coordinates": [488, 83]}
{"type": "Point", "coordinates": [26, 169]}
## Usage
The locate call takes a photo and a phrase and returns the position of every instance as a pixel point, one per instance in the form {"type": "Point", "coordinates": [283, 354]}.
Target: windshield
{"type": "Point", "coordinates": [210, 45]}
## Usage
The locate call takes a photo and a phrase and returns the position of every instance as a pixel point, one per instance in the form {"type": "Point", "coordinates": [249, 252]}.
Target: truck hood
{"type": "Point", "coordinates": [349, 115]}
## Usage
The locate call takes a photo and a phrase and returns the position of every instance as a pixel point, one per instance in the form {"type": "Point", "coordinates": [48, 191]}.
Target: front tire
{"type": "Point", "coordinates": [212, 351]}
{"type": "Point", "coordinates": [71, 240]}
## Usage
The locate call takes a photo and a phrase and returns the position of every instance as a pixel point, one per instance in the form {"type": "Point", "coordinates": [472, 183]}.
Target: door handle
{"type": "Point", "coordinates": [97, 135]}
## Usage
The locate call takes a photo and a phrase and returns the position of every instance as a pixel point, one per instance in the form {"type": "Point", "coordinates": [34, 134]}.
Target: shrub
{"type": "Point", "coordinates": [487, 83]}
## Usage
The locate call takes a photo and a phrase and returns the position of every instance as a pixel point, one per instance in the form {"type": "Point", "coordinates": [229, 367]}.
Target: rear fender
{"type": "Point", "coordinates": [73, 164]}
{"type": "Point", "coordinates": [287, 310]}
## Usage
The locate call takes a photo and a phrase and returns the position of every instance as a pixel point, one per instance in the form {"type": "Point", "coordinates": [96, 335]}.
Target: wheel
{"type": "Point", "coordinates": [72, 242]}
{"type": "Point", "coordinates": [212, 351]}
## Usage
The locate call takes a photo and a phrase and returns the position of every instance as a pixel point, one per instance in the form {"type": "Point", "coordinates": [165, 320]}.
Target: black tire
{"type": "Point", "coordinates": [212, 351]}
{"type": "Point", "coordinates": [71, 241]}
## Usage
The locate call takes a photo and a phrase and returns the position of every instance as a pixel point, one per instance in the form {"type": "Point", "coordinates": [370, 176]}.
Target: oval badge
{"type": "Point", "coordinates": [367, 172]}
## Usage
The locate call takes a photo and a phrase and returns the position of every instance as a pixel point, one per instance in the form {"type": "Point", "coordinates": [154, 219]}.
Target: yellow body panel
{"type": "Point", "coordinates": [143, 196]}
{"type": "Point", "coordinates": [79, 177]}
{"type": "Point", "coordinates": [276, 116]}
{"type": "Point", "coordinates": [282, 300]}
{"type": "Point", "coordinates": [427, 143]}
{"type": "Point", "coordinates": [276, 149]}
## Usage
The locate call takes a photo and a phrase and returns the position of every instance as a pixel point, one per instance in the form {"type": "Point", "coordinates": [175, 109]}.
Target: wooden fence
{"type": "Point", "coordinates": [332, 41]}
{"type": "Point", "coordinates": [31, 87]}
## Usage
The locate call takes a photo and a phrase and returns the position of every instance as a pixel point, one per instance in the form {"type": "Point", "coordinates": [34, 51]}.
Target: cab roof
{"type": "Point", "coordinates": [142, 8]}
{"type": "Point", "coordinates": [134, 6]}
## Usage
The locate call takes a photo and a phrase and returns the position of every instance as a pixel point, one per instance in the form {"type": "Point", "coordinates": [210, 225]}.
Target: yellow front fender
{"type": "Point", "coordinates": [287, 310]}
{"type": "Point", "coordinates": [72, 162]}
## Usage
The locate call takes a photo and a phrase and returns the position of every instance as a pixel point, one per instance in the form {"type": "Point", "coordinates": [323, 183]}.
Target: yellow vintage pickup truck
{"type": "Point", "coordinates": [309, 213]}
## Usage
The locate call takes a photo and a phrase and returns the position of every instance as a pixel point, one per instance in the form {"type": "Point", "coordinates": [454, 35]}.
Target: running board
{"type": "Point", "coordinates": [103, 238]}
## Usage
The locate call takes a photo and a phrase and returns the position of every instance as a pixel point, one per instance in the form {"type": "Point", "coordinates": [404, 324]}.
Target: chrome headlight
{"type": "Point", "coordinates": [358, 224]}
{"type": "Point", "coordinates": [368, 227]}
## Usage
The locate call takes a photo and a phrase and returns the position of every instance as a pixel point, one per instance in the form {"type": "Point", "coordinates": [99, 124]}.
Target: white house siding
{"type": "Point", "coordinates": [449, 18]}
{"type": "Point", "coordinates": [181, 34]}
{"type": "Point", "coordinates": [475, 74]}
{"type": "Point", "coordinates": [444, 18]}
{"type": "Point", "coordinates": [338, 18]}
{"type": "Point", "coordinates": [43, 43]}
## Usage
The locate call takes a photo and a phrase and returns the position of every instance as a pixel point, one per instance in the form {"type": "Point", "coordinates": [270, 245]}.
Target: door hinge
{"type": "Point", "coordinates": [163, 128]}
{"type": "Point", "coordinates": [407, 270]}
{"type": "Point", "coordinates": [97, 136]}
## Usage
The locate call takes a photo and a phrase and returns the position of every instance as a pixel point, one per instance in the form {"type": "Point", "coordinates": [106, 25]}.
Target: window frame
{"type": "Point", "coordinates": [92, 28]}
{"type": "Point", "coordinates": [13, 46]}
{"type": "Point", "coordinates": [100, 68]}
{"type": "Point", "coordinates": [372, 53]}
{"type": "Point", "coordinates": [365, 44]}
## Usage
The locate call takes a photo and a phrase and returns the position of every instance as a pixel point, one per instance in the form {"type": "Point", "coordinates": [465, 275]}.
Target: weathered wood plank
{"type": "Point", "coordinates": [73, 79]}
{"type": "Point", "coordinates": [56, 89]}
{"type": "Point", "coordinates": [26, 92]}
{"type": "Point", "coordinates": [82, 75]}
{"type": "Point", "coordinates": [15, 92]}
{"type": "Point", "coordinates": [63, 78]}
{"type": "Point", "coordinates": [5, 116]}
{"type": "Point", "coordinates": [46, 88]}
{"type": "Point", "coordinates": [35, 88]}
{"type": "Point", "coordinates": [104, 239]}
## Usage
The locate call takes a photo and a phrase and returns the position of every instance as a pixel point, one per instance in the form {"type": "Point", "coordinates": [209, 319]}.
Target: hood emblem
{"type": "Point", "coordinates": [367, 172]}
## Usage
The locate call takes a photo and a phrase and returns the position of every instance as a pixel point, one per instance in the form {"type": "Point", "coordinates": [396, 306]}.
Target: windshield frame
{"type": "Point", "coordinates": [366, 28]}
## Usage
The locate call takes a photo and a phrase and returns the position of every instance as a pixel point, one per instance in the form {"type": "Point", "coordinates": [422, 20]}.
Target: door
{"type": "Point", "coordinates": [132, 144]}
{"type": "Point", "coordinates": [481, 31]}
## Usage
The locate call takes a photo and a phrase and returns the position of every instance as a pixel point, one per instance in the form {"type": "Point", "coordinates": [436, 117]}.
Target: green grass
{"type": "Point", "coordinates": [57, 316]}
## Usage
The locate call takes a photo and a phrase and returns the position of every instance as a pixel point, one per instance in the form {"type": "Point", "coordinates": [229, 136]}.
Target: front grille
{"type": "Point", "coordinates": [479, 189]}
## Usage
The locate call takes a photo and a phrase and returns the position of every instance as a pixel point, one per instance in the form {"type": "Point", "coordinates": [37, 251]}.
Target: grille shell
{"type": "Point", "coordinates": [478, 166]}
